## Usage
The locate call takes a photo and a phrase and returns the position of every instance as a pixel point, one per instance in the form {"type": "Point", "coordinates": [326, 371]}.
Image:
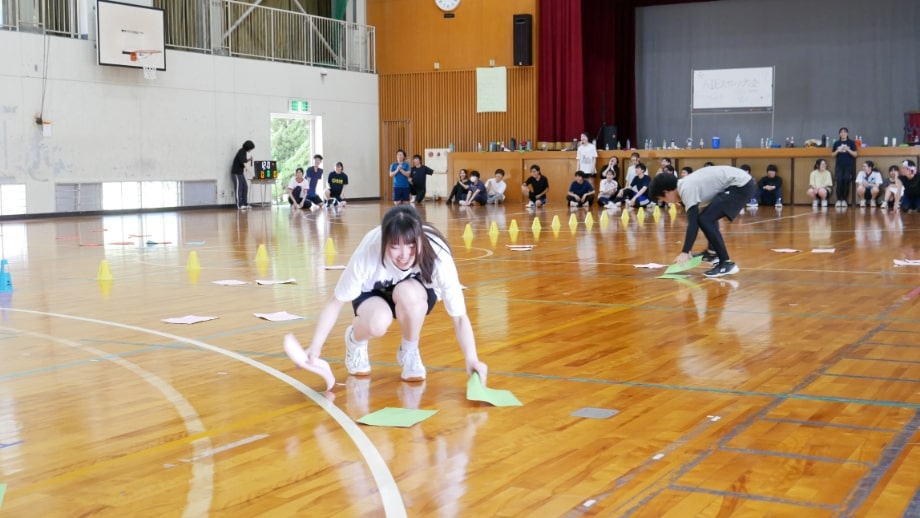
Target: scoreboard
{"type": "Point", "coordinates": [266, 170]}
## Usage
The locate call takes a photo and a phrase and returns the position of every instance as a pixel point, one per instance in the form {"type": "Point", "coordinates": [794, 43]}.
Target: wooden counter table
{"type": "Point", "coordinates": [793, 165]}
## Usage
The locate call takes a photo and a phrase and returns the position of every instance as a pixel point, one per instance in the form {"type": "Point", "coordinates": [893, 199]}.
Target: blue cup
{"type": "Point", "coordinates": [716, 142]}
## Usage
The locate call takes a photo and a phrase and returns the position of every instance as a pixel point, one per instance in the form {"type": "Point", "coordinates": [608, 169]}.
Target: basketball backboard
{"type": "Point", "coordinates": [123, 29]}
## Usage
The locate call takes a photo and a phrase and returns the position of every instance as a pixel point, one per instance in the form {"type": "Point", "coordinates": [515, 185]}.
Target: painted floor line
{"type": "Point", "coordinates": [829, 425]}
{"type": "Point", "coordinates": [389, 492]}
{"type": "Point", "coordinates": [749, 496]}
{"type": "Point", "coordinates": [787, 455]}
{"type": "Point", "coordinates": [49, 368]}
{"type": "Point", "coordinates": [210, 452]}
{"type": "Point", "coordinates": [889, 456]}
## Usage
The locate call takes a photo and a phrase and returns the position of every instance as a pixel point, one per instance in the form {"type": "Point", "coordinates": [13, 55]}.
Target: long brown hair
{"type": "Point", "coordinates": [403, 224]}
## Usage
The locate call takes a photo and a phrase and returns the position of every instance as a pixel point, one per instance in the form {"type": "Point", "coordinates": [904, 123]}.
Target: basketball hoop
{"type": "Point", "coordinates": [150, 69]}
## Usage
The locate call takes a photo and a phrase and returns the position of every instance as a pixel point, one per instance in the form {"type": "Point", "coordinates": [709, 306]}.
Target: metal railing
{"type": "Point", "coordinates": [226, 27]}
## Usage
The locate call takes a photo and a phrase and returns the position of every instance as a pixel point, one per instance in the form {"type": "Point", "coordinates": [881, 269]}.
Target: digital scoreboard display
{"type": "Point", "coordinates": [266, 170]}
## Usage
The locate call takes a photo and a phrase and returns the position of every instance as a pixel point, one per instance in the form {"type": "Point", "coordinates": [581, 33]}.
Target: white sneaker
{"type": "Point", "coordinates": [779, 205]}
{"type": "Point", "coordinates": [824, 203]}
{"type": "Point", "coordinates": [573, 204]}
{"type": "Point", "coordinates": [610, 205]}
{"type": "Point", "coordinates": [411, 362]}
{"type": "Point", "coordinates": [843, 204]}
{"type": "Point", "coordinates": [814, 203]}
{"type": "Point", "coordinates": [313, 207]}
{"type": "Point", "coordinates": [862, 203]}
{"type": "Point", "coordinates": [356, 359]}
{"type": "Point", "coordinates": [530, 205]}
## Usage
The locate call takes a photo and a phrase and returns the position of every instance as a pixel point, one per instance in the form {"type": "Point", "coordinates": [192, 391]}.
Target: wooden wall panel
{"type": "Point", "coordinates": [413, 34]}
{"type": "Point", "coordinates": [441, 107]}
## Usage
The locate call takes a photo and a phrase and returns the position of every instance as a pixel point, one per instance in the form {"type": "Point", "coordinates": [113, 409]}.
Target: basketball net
{"type": "Point", "coordinates": [150, 69]}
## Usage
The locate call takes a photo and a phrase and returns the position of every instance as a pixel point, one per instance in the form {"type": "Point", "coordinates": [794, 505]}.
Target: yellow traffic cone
{"type": "Point", "coordinates": [640, 215]}
{"type": "Point", "coordinates": [625, 216]}
{"type": "Point", "coordinates": [262, 253]}
{"type": "Point", "coordinates": [589, 221]}
{"type": "Point", "coordinates": [556, 225]}
{"type": "Point", "coordinates": [192, 263]}
{"type": "Point", "coordinates": [104, 273]}
{"type": "Point", "coordinates": [536, 226]}
{"type": "Point", "coordinates": [468, 232]}
{"type": "Point", "coordinates": [330, 246]}
{"type": "Point", "coordinates": [493, 229]}
{"type": "Point", "coordinates": [573, 220]}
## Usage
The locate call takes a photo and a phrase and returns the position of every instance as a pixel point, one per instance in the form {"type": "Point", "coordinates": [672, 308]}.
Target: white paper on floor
{"type": "Point", "coordinates": [279, 316]}
{"type": "Point", "coordinates": [188, 319]}
{"type": "Point", "coordinates": [649, 265]}
{"type": "Point", "coordinates": [230, 282]}
{"type": "Point", "coordinates": [269, 282]}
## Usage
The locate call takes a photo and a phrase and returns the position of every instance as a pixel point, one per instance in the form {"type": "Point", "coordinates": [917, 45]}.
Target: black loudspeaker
{"type": "Point", "coordinates": [609, 140]}
{"type": "Point", "coordinates": [523, 40]}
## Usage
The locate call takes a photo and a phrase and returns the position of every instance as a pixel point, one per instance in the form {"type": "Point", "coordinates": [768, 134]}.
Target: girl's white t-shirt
{"type": "Point", "coordinates": [365, 272]}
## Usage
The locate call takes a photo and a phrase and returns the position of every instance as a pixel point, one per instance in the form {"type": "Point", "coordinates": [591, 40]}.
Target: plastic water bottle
{"type": "Point", "coordinates": [702, 144]}
{"type": "Point", "coordinates": [738, 141]}
{"type": "Point", "coordinates": [628, 145]}
{"type": "Point", "coordinates": [763, 142]}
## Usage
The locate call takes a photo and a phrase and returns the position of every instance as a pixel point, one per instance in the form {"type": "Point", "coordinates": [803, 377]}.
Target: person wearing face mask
{"type": "Point", "coordinates": [398, 272]}
{"type": "Point", "coordinates": [242, 163]}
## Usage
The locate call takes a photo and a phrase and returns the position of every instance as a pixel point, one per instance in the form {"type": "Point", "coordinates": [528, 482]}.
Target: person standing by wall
{"type": "Point", "coordinates": [586, 156]}
{"type": "Point", "coordinates": [418, 178]}
{"type": "Point", "coordinates": [242, 163]}
{"type": "Point", "coordinates": [400, 173]}
{"type": "Point", "coordinates": [844, 151]}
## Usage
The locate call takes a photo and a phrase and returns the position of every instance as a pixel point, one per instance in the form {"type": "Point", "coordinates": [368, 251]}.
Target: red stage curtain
{"type": "Point", "coordinates": [609, 42]}
{"type": "Point", "coordinates": [561, 107]}
{"type": "Point", "coordinates": [588, 67]}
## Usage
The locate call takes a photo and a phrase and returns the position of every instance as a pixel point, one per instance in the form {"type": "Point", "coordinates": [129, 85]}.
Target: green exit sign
{"type": "Point", "coordinates": [299, 106]}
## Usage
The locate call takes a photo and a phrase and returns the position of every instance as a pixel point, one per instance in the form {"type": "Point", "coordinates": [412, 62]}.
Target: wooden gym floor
{"type": "Point", "coordinates": [789, 389]}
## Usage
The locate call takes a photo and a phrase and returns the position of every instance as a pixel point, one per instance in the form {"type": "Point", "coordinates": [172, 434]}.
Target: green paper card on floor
{"type": "Point", "coordinates": [476, 392]}
{"type": "Point", "coordinates": [398, 417]}
{"type": "Point", "coordinates": [689, 265]}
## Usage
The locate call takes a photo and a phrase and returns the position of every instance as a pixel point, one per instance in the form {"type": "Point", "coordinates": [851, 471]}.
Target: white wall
{"type": "Point", "coordinates": [110, 124]}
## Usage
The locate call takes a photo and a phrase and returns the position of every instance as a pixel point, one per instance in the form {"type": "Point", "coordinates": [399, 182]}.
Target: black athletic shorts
{"type": "Point", "coordinates": [387, 295]}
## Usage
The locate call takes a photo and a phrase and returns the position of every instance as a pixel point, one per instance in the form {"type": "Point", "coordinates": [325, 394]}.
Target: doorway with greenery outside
{"type": "Point", "coordinates": [295, 139]}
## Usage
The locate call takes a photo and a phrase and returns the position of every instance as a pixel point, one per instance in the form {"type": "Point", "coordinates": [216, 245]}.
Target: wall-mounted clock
{"type": "Point", "coordinates": [447, 5]}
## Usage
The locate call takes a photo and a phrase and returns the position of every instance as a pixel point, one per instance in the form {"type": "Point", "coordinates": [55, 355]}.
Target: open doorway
{"type": "Point", "coordinates": [295, 139]}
